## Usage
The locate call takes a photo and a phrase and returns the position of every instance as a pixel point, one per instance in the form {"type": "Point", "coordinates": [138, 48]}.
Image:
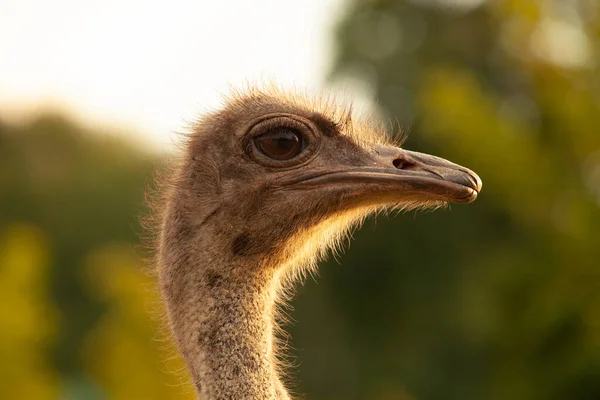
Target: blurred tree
{"type": "Point", "coordinates": [83, 192]}
{"type": "Point", "coordinates": [499, 300]}
{"type": "Point", "coordinates": [27, 317]}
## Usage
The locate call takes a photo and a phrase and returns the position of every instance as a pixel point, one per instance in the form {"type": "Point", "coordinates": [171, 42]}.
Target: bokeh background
{"type": "Point", "coordinates": [499, 299]}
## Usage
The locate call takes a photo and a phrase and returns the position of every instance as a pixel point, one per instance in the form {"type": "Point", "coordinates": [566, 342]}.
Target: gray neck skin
{"type": "Point", "coordinates": [222, 315]}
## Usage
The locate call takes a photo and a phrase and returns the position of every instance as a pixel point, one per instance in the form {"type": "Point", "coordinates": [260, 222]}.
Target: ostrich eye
{"type": "Point", "coordinates": [280, 144]}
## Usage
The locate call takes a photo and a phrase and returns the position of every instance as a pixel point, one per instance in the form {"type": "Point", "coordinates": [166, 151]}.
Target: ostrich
{"type": "Point", "coordinates": [263, 188]}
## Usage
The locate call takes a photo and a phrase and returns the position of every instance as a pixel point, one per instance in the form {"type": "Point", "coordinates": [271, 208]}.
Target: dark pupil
{"type": "Point", "coordinates": [282, 144]}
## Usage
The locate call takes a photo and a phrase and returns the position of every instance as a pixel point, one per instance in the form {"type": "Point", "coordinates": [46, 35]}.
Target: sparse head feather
{"type": "Point", "coordinates": [337, 107]}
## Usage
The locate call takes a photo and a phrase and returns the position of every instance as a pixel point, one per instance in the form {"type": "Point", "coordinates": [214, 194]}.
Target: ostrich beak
{"type": "Point", "coordinates": [435, 177]}
{"type": "Point", "coordinates": [399, 174]}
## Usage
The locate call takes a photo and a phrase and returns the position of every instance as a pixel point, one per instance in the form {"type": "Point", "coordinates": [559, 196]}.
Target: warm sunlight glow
{"type": "Point", "coordinates": [150, 66]}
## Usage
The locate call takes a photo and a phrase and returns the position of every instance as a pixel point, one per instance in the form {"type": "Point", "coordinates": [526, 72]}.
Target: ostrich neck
{"type": "Point", "coordinates": [222, 316]}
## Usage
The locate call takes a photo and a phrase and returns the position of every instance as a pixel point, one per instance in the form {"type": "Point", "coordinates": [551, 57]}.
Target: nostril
{"type": "Point", "coordinates": [403, 164]}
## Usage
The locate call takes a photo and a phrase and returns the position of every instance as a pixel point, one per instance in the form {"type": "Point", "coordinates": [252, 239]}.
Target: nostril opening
{"type": "Point", "coordinates": [403, 164]}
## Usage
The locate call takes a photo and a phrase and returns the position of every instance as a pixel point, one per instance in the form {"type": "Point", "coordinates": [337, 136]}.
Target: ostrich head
{"type": "Point", "coordinates": [263, 187]}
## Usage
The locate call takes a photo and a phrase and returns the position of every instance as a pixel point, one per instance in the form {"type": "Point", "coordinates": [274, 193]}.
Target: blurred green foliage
{"type": "Point", "coordinates": [76, 321]}
{"type": "Point", "coordinates": [496, 300]}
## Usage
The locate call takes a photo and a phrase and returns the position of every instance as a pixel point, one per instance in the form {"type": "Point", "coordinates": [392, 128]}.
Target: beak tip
{"type": "Point", "coordinates": [479, 183]}
{"type": "Point", "coordinates": [476, 180]}
{"type": "Point", "coordinates": [471, 197]}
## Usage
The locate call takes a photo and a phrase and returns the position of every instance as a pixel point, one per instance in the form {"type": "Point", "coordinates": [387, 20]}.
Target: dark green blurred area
{"type": "Point", "coordinates": [499, 299]}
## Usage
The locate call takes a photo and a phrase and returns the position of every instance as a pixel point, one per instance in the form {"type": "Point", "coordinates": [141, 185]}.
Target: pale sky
{"type": "Point", "coordinates": [149, 66]}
